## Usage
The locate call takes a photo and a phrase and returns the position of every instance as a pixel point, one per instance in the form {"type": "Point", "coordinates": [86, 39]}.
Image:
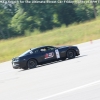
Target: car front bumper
{"type": "Point", "coordinates": [19, 64]}
{"type": "Point", "coordinates": [16, 65]}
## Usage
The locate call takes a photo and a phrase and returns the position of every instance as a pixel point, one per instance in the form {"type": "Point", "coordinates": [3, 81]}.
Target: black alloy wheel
{"type": "Point", "coordinates": [71, 54]}
{"type": "Point", "coordinates": [32, 63]}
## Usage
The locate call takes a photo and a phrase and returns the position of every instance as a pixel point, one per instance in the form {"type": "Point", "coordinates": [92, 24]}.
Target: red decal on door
{"type": "Point", "coordinates": [49, 55]}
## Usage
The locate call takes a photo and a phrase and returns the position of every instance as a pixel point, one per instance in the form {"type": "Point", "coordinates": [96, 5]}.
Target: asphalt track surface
{"type": "Point", "coordinates": [75, 79]}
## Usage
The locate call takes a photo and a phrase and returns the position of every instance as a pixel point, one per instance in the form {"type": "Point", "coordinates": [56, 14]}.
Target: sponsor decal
{"type": "Point", "coordinates": [49, 55]}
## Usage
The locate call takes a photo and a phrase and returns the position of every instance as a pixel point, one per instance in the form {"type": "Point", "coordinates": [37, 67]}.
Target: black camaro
{"type": "Point", "coordinates": [37, 56]}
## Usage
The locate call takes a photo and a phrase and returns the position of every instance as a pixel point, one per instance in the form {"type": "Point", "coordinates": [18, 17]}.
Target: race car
{"type": "Point", "coordinates": [40, 55]}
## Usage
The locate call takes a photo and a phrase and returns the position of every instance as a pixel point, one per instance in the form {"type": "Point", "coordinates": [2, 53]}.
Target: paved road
{"type": "Point", "coordinates": [76, 79]}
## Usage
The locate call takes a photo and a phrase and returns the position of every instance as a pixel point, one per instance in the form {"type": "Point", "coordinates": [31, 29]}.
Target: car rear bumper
{"type": "Point", "coordinates": [77, 52]}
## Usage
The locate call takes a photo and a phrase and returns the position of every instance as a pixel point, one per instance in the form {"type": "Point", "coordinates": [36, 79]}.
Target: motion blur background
{"type": "Point", "coordinates": [24, 18]}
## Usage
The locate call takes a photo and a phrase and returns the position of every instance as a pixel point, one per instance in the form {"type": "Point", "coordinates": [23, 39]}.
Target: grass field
{"type": "Point", "coordinates": [71, 35]}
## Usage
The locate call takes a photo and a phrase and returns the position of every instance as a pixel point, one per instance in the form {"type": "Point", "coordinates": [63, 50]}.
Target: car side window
{"type": "Point", "coordinates": [43, 50]}
{"type": "Point", "coordinates": [36, 51]}
{"type": "Point", "coordinates": [50, 48]}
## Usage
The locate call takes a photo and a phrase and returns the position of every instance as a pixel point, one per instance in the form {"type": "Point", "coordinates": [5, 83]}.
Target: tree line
{"type": "Point", "coordinates": [17, 18]}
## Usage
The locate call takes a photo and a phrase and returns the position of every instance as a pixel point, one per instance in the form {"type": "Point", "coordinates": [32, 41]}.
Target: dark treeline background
{"type": "Point", "coordinates": [16, 18]}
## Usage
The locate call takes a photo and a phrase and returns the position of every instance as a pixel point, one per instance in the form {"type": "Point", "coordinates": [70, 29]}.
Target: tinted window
{"type": "Point", "coordinates": [36, 51]}
{"type": "Point", "coordinates": [50, 48]}
{"type": "Point", "coordinates": [43, 49]}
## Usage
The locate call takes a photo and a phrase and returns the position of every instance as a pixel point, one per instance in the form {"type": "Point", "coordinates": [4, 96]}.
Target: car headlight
{"type": "Point", "coordinates": [17, 59]}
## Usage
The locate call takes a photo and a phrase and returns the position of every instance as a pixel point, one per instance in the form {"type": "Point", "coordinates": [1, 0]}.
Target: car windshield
{"type": "Point", "coordinates": [27, 53]}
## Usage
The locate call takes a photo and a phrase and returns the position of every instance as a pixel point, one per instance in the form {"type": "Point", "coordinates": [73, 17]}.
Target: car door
{"type": "Point", "coordinates": [48, 53]}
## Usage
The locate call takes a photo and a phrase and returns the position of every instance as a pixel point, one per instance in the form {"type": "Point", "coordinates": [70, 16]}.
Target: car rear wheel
{"type": "Point", "coordinates": [71, 54]}
{"type": "Point", "coordinates": [32, 63]}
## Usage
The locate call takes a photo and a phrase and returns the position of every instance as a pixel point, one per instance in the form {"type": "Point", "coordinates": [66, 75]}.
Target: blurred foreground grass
{"type": "Point", "coordinates": [71, 35]}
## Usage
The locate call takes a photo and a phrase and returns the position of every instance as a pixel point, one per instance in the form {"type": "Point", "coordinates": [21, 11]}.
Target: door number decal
{"type": "Point", "coordinates": [57, 53]}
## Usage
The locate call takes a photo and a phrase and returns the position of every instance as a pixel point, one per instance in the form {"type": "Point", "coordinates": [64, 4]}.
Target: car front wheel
{"type": "Point", "coordinates": [32, 63]}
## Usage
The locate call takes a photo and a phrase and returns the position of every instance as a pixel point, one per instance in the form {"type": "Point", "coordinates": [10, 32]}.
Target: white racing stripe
{"type": "Point", "coordinates": [71, 90]}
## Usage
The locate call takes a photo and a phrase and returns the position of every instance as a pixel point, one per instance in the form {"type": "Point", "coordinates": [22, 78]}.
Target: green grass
{"type": "Point", "coordinates": [59, 36]}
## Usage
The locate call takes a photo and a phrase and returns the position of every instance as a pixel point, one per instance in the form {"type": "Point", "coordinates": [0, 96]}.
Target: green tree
{"type": "Point", "coordinates": [66, 13]}
{"type": "Point", "coordinates": [84, 12]}
{"type": "Point", "coordinates": [4, 21]}
{"type": "Point", "coordinates": [31, 16]}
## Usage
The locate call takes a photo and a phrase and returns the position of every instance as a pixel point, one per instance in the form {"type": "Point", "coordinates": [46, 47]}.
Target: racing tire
{"type": "Point", "coordinates": [32, 63]}
{"type": "Point", "coordinates": [71, 54]}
